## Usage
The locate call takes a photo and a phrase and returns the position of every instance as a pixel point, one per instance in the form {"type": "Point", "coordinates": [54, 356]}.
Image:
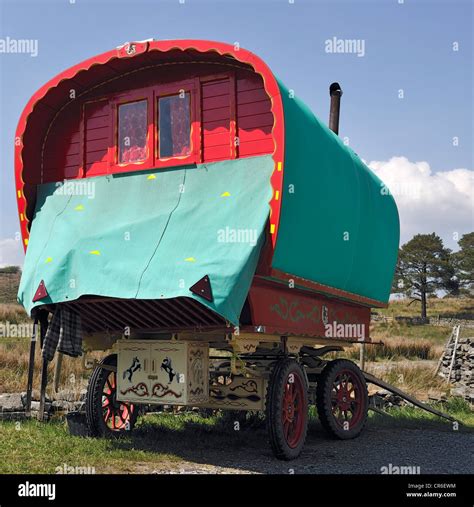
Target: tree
{"type": "Point", "coordinates": [10, 269]}
{"type": "Point", "coordinates": [463, 262]}
{"type": "Point", "coordinates": [424, 266]}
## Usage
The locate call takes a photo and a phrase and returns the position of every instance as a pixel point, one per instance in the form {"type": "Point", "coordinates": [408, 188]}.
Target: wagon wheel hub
{"type": "Point", "coordinates": [115, 413]}
{"type": "Point", "coordinates": [290, 410]}
{"type": "Point", "coordinates": [293, 411]}
{"type": "Point", "coordinates": [346, 398]}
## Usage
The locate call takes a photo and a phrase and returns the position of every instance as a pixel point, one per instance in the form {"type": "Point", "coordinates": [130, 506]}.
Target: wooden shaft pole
{"type": "Point", "coordinates": [44, 382]}
{"type": "Point", "coordinates": [57, 371]}
{"type": "Point", "coordinates": [362, 356]}
{"type": "Point", "coordinates": [31, 368]}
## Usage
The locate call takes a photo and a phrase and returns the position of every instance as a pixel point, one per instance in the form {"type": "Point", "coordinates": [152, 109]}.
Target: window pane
{"type": "Point", "coordinates": [132, 130]}
{"type": "Point", "coordinates": [174, 126]}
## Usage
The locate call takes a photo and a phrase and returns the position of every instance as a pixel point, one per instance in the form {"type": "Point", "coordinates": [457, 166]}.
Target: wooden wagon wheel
{"type": "Point", "coordinates": [287, 409]}
{"type": "Point", "coordinates": [342, 399]}
{"type": "Point", "coordinates": [105, 415]}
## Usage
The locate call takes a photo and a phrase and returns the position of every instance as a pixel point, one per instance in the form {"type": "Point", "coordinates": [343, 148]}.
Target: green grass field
{"type": "Point", "coordinates": [160, 441]}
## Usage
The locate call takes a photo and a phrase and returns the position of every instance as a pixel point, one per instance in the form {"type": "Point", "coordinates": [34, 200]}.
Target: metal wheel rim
{"type": "Point", "coordinates": [347, 394]}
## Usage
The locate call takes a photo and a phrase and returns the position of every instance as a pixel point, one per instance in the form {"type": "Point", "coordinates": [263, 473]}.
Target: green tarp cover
{"type": "Point", "coordinates": [151, 234]}
{"type": "Point", "coordinates": [338, 223]}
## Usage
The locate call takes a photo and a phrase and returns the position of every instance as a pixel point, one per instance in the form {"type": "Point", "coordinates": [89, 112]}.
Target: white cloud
{"type": "Point", "coordinates": [11, 252]}
{"type": "Point", "coordinates": [441, 202]}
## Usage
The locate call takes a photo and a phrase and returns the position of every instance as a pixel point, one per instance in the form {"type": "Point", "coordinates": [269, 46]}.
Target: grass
{"type": "Point", "coordinates": [462, 308]}
{"type": "Point", "coordinates": [380, 331]}
{"type": "Point", "coordinates": [9, 286]}
{"type": "Point", "coordinates": [412, 417]}
{"type": "Point", "coordinates": [13, 313]}
{"type": "Point", "coordinates": [33, 447]}
{"type": "Point", "coordinates": [14, 357]}
{"type": "Point", "coordinates": [418, 380]}
{"type": "Point", "coordinates": [394, 350]}
{"type": "Point", "coordinates": [161, 441]}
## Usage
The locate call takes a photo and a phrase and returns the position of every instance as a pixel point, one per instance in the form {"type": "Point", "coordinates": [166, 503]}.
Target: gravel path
{"type": "Point", "coordinates": [434, 451]}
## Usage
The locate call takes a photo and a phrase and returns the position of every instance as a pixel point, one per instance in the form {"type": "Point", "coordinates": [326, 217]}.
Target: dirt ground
{"type": "Point", "coordinates": [435, 451]}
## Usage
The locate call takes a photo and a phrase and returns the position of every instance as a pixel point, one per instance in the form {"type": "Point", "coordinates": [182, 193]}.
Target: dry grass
{"type": "Point", "coordinates": [9, 286]}
{"type": "Point", "coordinates": [13, 313]}
{"type": "Point", "coordinates": [462, 308]}
{"type": "Point", "coordinates": [14, 357]}
{"type": "Point", "coordinates": [417, 379]}
{"type": "Point", "coordinates": [397, 349]}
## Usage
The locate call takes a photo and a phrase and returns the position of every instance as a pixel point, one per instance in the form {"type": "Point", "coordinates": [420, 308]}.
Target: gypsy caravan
{"type": "Point", "coordinates": [180, 206]}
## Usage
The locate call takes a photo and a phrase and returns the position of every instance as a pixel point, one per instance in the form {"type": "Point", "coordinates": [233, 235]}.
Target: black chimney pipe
{"type": "Point", "coordinates": [335, 91]}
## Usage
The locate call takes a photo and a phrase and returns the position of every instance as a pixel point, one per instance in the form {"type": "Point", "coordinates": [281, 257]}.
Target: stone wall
{"type": "Point", "coordinates": [463, 368]}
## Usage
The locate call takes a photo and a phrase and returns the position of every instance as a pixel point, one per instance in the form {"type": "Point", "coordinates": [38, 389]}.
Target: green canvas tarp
{"type": "Point", "coordinates": [339, 224]}
{"type": "Point", "coordinates": [151, 234]}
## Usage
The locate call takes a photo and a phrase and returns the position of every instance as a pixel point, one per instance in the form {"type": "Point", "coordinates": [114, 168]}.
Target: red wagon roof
{"type": "Point", "coordinates": [69, 85]}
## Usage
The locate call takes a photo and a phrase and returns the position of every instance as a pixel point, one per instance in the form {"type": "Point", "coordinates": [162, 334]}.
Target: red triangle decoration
{"type": "Point", "coordinates": [41, 292]}
{"type": "Point", "coordinates": [203, 288]}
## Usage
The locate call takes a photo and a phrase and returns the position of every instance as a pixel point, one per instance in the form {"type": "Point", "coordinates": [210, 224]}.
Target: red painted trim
{"type": "Point", "coordinates": [233, 115]}
{"type": "Point", "coordinates": [277, 309]}
{"type": "Point", "coordinates": [131, 50]}
{"type": "Point", "coordinates": [326, 289]}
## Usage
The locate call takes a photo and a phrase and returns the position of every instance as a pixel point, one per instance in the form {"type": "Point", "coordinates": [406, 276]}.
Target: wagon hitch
{"type": "Point", "coordinates": [374, 380]}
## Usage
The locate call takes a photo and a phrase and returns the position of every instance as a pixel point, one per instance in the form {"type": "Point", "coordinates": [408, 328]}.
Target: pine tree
{"type": "Point", "coordinates": [424, 266]}
{"type": "Point", "coordinates": [464, 261]}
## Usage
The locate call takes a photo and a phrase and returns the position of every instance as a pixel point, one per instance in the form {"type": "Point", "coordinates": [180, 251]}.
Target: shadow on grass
{"type": "Point", "coordinates": [220, 442]}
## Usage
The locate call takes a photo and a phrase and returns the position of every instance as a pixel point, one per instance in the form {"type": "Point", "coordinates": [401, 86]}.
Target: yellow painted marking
{"type": "Point", "coordinates": [151, 177]}
{"type": "Point", "coordinates": [225, 194]}
{"type": "Point", "coordinates": [19, 194]}
{"type": "Point", "coordinates": [190, 259]}
{"type": "Point", "coordinates": [272, 228]}
{"type": "Point", "coordinates": [22, 217]}
{"type": "Point", "coordinates": [94, 252]}
{"type": "Point", "coordinates": [279, 166]}
{"type": "Point", "coordinates": [26, 241]}
{"type": "Point", "coordinates": [49, 259]}
{"type": "Point", "coordinates": [79, 207]}
{"type": "Point", "coordinates": [277, 195]}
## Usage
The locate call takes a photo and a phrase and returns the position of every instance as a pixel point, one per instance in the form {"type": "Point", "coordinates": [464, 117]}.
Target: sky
{"type": "Point", "coordinates": [407, 107]}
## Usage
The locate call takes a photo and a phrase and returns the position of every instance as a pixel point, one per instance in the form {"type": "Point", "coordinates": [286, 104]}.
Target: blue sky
{"type": "Point", "coordinates": [408, 46]}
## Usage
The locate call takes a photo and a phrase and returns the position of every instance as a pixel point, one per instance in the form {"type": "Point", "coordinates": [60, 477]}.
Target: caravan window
{"type": "Point", "coordinates": [132, 132]}
{"type": "Point", "coordinates": [174, 126]}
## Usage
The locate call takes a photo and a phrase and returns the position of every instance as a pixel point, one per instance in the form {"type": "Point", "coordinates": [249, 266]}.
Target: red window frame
{"type": "Point", "coordinates": [152, 94]}
{"type": "Point", "coordinates": [113, 155]}
{"type": "Point", "coordinates": [166, 90]}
